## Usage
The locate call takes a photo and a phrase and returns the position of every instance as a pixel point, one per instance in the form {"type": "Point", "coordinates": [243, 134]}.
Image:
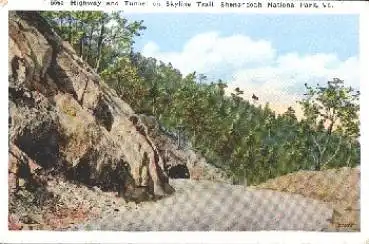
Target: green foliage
{"type": "Point", "coordinates": [122, 76]}
{"type": "Point", "coordinates": [335, 105]}
{"type": "Point", "coordinates": [248, 142]}
{"type": "Point", "coordinates": [99, 38]}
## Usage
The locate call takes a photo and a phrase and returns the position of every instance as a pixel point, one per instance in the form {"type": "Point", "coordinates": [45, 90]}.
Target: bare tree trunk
{"type": "Point", "coordinates": [153, 106]}
{"type": "Point", "coordinates": [70, 29]}
{"type": "Point", "coordinates": [81, 46]}
{"type": "Point", "coordinates": [99, 47]}
{"type": "Point", "coordinates": [90, 43]}
{"type": "Point", "coordinates": [330, 129]}
{"type": "Point", "coordinates": [335, 153]}
{"type": "Point", "coordinates": [61, 24]}
{"type": "Point", "coordinates": [333, 120]}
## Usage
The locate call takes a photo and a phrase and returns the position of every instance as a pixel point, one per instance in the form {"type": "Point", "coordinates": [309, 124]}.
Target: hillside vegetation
{"type": "Point", "coordinates": [250, 143]}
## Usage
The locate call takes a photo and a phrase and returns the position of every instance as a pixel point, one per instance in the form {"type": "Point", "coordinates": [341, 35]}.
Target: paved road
{"type": "Point", "coordinates": [207, 206]}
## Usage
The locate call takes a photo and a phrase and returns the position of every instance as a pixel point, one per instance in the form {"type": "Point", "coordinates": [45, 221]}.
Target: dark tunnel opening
{"type": "Point", "coordinates": [179, 171]}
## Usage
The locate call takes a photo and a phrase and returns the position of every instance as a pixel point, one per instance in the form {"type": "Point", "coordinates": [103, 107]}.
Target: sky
{"type": "Point", "coordinates": [269, 55]}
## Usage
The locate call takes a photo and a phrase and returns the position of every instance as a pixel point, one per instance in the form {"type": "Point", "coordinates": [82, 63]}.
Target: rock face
{"type": "Point", "coordinates": [63, 118]}
{"type": "Point", "coordinates": [181, 162]}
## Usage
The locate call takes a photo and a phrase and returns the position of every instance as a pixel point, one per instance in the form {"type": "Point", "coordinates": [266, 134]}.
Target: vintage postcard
{"type": "Point", "coordinates": [205, 116]}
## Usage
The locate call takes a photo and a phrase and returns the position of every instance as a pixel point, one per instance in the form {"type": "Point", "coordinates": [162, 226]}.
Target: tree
{"type": "Point", "coordinates": [333, 105]}
{"type": "Point", "coordinates": [290, 114]}
{"type": "Point", "coordinates": [123, 78]}
{"type": "Point", "coordinates": [99, 38]}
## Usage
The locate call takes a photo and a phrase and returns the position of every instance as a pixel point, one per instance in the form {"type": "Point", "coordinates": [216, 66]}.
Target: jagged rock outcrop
{"type": "Point", "coordinates": [181, 162]}
{"type": "Point", "coordinates": [63, 118]}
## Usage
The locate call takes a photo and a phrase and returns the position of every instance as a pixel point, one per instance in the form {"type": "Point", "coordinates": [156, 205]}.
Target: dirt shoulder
{"type": "Point", "coordinates": [339, 188]}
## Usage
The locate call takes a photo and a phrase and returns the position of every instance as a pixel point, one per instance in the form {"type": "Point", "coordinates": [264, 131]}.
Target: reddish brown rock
{"type": "Point", "coordinates": [64, 117]}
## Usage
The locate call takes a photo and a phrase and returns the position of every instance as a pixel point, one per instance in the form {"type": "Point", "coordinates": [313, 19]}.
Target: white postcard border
{"type": "Point", "coordinates": [361, 8]}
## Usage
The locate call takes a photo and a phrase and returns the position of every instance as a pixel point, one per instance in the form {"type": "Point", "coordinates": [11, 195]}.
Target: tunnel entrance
{"type": "Point", "coordinates": [179, 171]}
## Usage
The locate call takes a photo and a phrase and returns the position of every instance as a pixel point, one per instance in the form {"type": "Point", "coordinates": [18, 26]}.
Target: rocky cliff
{"type": "Point", "coordinates": [64, 121]}
{"type": "Point", "coordinates": [181, 161]}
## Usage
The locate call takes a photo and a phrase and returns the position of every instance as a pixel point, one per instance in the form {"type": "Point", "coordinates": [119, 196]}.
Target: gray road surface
{"type": "Point", "coordinates": [208, 206]}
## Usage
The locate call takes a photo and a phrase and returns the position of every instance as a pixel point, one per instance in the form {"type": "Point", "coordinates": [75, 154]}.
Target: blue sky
{"type": "Point", "coordinates": [273, 55]}
{"type": "Point", "coordinates": [301, 33]}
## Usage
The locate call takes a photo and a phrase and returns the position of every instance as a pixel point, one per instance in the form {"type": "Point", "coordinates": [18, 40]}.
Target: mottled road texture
{"type": "Point", "coordinates": [209, 206]}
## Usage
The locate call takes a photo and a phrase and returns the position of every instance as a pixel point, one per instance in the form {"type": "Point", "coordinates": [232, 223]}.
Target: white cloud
{"type": "Point", "coordinates": [282, 84]}
{"type": "Point", "coordinates": [256, 68]}
{"type": "Point", "coordinates": [208, 52]}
